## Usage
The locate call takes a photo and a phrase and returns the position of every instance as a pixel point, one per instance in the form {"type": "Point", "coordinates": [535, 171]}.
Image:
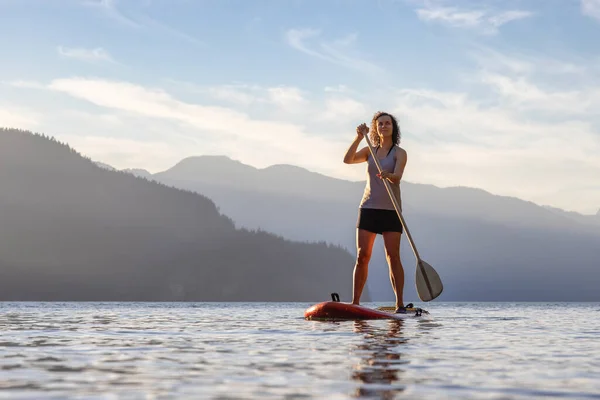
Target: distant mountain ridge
{"type": "Point", "coordinates": [142, 173]}
{"type": "Point", "coordinates": [282, 178]}
{"type": "Point", "coordinates": [585, 219]}
{"type": "Point", "coordinates": [503, 243]}
{"type": "Point", "coordinates": [72, 230]}
{"type": "Point", "coordinates": [458, 201]}
{"type": "Point", "coordinates": [204, 168]}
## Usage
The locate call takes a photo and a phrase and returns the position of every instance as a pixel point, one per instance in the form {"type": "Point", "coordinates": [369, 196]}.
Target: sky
{"type": "Point", "coordinates": [497, 95]}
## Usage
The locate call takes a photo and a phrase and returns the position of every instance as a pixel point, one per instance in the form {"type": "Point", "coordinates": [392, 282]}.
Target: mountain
{"type": "Point", "coordinates": [72, 230]}
{"type": "Point", "coordinates": [277, 179]}
{"type": "Point", "coordinates": [142, 173]}
{"type": "Point", "coordinates": [585, 219]}
{"type": "Point", "coordinates": [288, 180]}
{"type": "Point", "coordinates": [485, 247]}
{"type": "Point", "coordinates": [105, 166]}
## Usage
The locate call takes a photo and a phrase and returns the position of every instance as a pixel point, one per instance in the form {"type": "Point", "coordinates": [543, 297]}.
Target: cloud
{"type": "Point", "coordinates": [243, 95]}
{"type": "Point", "coordinates": [526, 127]}
{"type": "Point", "coordinates": [526, 64]}
{"type": "Point", "coordinates": [156, 25]}
{"type": "Point", "coordinates": [110, 9]}
{"type": "Point", "coordinates": [123, 152]}
{"type": "Point", "coordinates": [514, 134]}
{"type": "Point", "coordinates": [154, 103]}
{"type": "Point", "coordinates": [337, 52]}
{"type": "Point", "coordinates": [591, 8]}
{"type": "Point", "coordinates": [289, 98]}
{"type": "Point", "coordinates": [138, 20]}
{"type": "Point", "coordinates": [88, 55]}
{"type": "Point", "coordinates": [16, 117]}
{"type": "Point", "coordinates": [486, 21]}
{"type": "Point", "coordinates": [455, 139]}
{"type": "Point", "coordinates": [521, 92]}
{"type": "Point", "coordinates": [337, 89]}
{"type": "Point", "coordinates": [342, 109]}
{"type": "Point", "coordinates": [219, 126]}
{"type": "Point", "coordinates": [540, 84]}
{"type": "Point", "coordinates": [25, 84]}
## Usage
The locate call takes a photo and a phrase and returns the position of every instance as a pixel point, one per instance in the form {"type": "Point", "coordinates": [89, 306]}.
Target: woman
{"type": "Point", "coordinates": [377, 214]}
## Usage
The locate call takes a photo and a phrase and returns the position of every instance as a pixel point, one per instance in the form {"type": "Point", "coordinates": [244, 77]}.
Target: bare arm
{"type": "Point", "coordinates": [352, 156]}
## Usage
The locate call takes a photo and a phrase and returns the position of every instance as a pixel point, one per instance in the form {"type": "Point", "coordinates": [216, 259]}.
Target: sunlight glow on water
{"type": "Point", "coordinates": [268, 351]}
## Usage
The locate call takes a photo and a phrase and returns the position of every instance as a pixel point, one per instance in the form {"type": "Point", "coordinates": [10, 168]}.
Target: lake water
{"type": "Point", "coordinates": [268, 351]}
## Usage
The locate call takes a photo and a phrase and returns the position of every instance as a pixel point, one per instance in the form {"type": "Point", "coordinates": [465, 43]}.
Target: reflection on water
{"type": "Point", "coordinates": [269, 351]}
{"type": "Point", "coordinates": [381, 359]}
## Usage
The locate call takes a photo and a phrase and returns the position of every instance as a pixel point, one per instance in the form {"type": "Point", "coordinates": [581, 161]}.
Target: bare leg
{"type": "Point", "coordinates": [364, 248]}
{"type": "Point", "coordinates": [391, 241]}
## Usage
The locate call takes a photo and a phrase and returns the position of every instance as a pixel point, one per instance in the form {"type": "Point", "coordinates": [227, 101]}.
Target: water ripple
{"type": "Point", "coordinates": [268, 351]}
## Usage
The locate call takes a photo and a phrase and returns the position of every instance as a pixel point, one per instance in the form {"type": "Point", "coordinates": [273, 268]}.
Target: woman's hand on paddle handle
{"type": "Point", "coordinates": [352, 156]}
{"type": "Point", "coordinates": [362, 130]}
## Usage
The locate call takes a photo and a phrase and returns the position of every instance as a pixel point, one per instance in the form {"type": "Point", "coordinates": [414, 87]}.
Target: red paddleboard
{"type": "Point", "coordinates": [338, 311]}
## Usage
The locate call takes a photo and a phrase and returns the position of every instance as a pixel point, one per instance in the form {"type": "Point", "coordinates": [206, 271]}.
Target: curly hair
{"type": "Point", "coordinates": [373, 130]}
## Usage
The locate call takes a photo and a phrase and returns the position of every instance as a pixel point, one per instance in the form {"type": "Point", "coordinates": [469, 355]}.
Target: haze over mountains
{"type": "Point", "coordinates": [73, 230]}
{"type": "Point", "coordinates": [485, 247]}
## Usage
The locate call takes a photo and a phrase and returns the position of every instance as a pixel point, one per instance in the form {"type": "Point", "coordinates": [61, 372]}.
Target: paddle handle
{"type": "Point", "coordinates": [394, 201]}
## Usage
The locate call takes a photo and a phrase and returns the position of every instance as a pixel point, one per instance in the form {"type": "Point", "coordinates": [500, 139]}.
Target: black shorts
{"type": "Point", "coordinates": [378, 221]}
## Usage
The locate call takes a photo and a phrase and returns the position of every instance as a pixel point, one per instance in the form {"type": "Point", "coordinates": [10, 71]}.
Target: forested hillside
{"type": "Point", "coordinates": [71, 230]}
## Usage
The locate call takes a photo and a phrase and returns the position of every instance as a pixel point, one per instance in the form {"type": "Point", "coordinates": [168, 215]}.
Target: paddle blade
{"type": "Point", "coordinates": [429, 284]}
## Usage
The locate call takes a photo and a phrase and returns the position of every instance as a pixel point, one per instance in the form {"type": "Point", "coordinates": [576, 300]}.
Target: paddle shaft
{"type": "Point", "coordinates": [394, 200]}
{"type": "Point", "coordinates": [397, 208]}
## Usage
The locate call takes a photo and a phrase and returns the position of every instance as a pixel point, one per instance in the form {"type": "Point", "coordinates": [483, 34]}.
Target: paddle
{"type": "Point", "coordinates": [428, 282]}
